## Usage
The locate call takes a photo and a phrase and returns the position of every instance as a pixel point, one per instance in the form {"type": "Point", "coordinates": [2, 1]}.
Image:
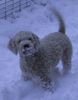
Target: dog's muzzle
{"type": "Point", "coordinates": [28, 49]}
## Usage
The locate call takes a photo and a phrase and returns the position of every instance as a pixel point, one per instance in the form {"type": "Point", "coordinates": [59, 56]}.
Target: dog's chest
{"type": "Point", "coordinates": [35, 65]}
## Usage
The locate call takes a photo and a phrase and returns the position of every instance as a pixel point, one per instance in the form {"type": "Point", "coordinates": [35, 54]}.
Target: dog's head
{"type": "Point", "coordinates": [24, 43]}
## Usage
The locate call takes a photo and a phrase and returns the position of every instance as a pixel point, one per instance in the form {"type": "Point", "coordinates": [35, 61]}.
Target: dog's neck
{"type": "Point", "coordinates": [35, 59]}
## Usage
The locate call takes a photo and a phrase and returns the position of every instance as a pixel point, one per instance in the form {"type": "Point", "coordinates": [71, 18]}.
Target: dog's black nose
{"type": "Point", "coordinates": [26, 46]}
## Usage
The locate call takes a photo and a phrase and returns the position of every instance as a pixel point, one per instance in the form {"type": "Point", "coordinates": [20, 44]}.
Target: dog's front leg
{"type": "Point", "coordinates": [46, 82]}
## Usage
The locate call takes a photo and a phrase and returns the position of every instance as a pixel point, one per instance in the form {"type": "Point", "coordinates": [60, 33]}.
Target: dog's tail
{"type": "Point", "coordinates": [61, 21]}
{"type": "Point", "coordinates": [59, 17]}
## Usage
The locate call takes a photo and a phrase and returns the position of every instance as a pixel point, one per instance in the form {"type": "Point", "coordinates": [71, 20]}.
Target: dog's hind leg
{"type": "Point", "coordinates": [66, 60]}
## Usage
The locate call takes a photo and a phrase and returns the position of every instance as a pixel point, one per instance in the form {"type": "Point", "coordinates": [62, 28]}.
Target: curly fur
{"type": "Point", "coordinates": [44, 55]}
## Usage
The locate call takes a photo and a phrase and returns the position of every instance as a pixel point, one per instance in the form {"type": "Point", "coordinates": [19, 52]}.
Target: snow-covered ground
{"type": "Point", "coordinates": [40, 21]}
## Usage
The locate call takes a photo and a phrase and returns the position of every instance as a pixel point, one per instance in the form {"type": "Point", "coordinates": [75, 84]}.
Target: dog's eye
{"type": "Point", "coordinates": [30, 39]}
{"type": "Point", "coordinates": [19, 41]}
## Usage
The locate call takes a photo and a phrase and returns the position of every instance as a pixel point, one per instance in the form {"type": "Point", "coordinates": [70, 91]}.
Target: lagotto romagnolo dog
{"type": "Point", "coordinates": [39, 57]}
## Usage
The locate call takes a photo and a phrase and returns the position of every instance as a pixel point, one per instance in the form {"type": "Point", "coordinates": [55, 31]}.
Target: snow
{"type": "Point", "coordinates": [38, 20]}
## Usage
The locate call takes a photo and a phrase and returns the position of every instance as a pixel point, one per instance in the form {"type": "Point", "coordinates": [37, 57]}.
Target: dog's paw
{"type": "Point", "coordinates": [51, 87]}
{"type": "Point", "coordinates": [66, 72]}
{"type": "Point", "coordinates": [57, 72]}
{"type": "Point", "coordinates": [25, 77]}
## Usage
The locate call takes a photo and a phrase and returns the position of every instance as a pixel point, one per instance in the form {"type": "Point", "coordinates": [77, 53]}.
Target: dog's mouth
{"type": "Point", "coordinates": [28, 51]}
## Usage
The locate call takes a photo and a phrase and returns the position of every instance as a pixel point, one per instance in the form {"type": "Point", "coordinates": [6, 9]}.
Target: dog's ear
{"type": "Point", "coordinates": [37, 41]}
{"type": "Point", "coordinates": [13, 46]}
